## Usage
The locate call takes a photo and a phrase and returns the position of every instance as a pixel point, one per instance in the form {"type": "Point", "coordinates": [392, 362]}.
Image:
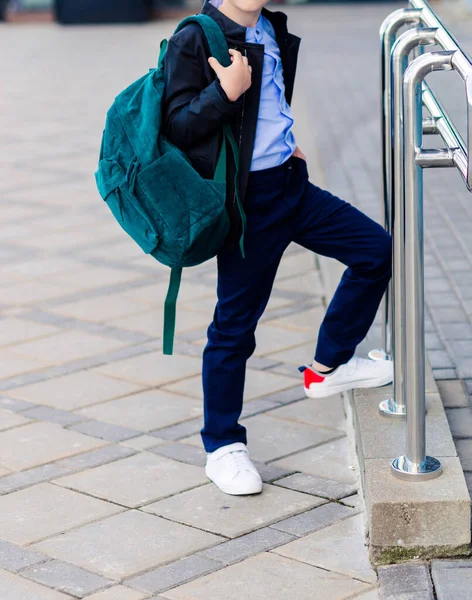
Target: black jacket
{"type": "Point", "coordinates": [196, 106]}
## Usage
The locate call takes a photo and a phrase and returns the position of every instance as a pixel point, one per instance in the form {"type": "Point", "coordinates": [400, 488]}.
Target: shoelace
{"type": "Point", "coordinates": [240, 460]}
{"type": "Point", "coordinates": [355, 362]}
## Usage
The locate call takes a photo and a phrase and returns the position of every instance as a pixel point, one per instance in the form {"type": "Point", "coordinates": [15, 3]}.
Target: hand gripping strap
{"type": "Point", "coordinates": [215, 37]}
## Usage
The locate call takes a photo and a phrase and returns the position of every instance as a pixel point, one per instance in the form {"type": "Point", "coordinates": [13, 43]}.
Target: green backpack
{"type": "Point", "coordinates": [154, 193]}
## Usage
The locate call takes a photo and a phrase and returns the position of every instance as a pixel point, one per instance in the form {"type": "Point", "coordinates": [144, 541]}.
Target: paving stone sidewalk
{"type": "Point", "coordinates": [103, 495]}
{"type": "Point", "coordinates": [102, 490]}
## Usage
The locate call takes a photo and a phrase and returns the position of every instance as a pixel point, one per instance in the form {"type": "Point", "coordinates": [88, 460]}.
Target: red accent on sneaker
{"type": "Point", "coordinates": [312, 377]}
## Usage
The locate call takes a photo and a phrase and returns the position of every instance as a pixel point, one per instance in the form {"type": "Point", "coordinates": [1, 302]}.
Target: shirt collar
{"type": "Point", "coordinates": [230, 28]}
{"type": "Point", "coordinates": [257, 30]}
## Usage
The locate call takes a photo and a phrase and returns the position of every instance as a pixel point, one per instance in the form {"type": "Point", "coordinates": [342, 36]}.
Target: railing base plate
{"type": "Point", "coordinates": [402, 468]}
{"type": "Point", "coordinates": [389, 408]}
{"type": "Point", "coordinates": [378, 354]}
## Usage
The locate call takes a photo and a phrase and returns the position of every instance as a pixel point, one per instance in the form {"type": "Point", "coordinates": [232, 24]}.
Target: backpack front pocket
{"type": "Point", "coordinates": [124, 205]}
{"type": "Point", "coordinates": [177, 195]}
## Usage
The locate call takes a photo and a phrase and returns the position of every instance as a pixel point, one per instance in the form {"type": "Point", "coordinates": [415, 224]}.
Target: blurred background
{"type": "Point", "coordinates": [132, 11]}
{"type": "Point", "coordinates": [99, 11]}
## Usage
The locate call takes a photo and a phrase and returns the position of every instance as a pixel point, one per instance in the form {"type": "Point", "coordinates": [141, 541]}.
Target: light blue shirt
{"type": "Point", "coordinates": [275, 142]}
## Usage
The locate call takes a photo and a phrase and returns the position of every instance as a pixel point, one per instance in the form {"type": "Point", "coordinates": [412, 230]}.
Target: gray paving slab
{"type": "Point", "coordinates": [372, 594]}
{"type": "Point", "coordinates": [314, 519]}
{"type": "Point", "coordinates": [150, 541]}
{"type": "Point", "coordinates": [30, 445]}
{"type": "Point", "coordinates": [289, 395]}
{"type": "Point", "coordinates": [460, 422]}
{"type": "Point", "coordinates": [68, 346]}
{"type": "Point", "coordinates": [50, 510]}
{"type": "Point", "coordinates": [182, 452]}
{"type": "Point", "coordinates": [95, 458]}
{"type": "Point", "coordinates": [464, 366]}
{"type": "Point", "coordinates": [105, 431]}
{"type": "Point", "coordinates": [14, 587]}
{"type": "Point", "coordinates": [270, 473]}
{"type": "Point", "coordinates": [14, 558]}
{"type": "Point", "coordinates": [174, 574]}
{"type": "Point", "coordinates": [453, 394]}
{"type": "Point", "coordinates": [210, 509]}
{"type": "Point", "coordinates": [455, 331]}
{"type": "Point", "coordinates": [54, 415]}
{"type": "Point", "coordinates": [14, 404]}
{"type": "Point", "coordinates": [268, 575]}
{"type": "Point", "coordinates": [66, 578]}
{"type": "Point", "coordinates": [452, 579]}
{"type": "Point", "coordinates": [146, 411]}
{"type": "Point", "coordinates": [444, 374]}
{"type": "Point", "coordinates": [10, 419]}
{"type": "Point", "coordinates": [257, 362]}
{"type": "Point", "coordinates": [441, 360]}
{"type": "Point", "coordinates": [356, 501]}
{"type": "Point", "coordinates": [464, 451]}
{"type": "Point", "coordinates": [320, 412]}
{"type": "Point", "coordinates": [151, 370]}
{"type": "Point", "coordinates": [468, 386]}
{"type": "Point", "coordinates": [17, 481]}
{"type": "Point", "coordinates": [258, 383]}
{"type": "Point", "coordinates": [136, 480]}
{"type": "Point", "coordinates": [179, 431]}
{"type": "Point", "coordinates": [74, 391]}
{"type": "Point", "coordinates": [339, 548]}
{"type": "Point", "coordinates": [318, 486]}
{"type": "Point", "coordinates": [143, 442]}
{"type": "Point", "coordinates": [248, 545]}
{"type": "Point", "coordinates": [118, 592]}
{"type": "Point", "coordinates": [255, 407]}
{"type": "Point", "coordinates": [332, 460]}
{"type": "Point", "coordinates": [405, 581]}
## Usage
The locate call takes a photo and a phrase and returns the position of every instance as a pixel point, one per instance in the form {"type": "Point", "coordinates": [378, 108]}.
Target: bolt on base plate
{"type": "Point", "coordinates": [389, 408]}
{"type": "Point", "coordinates": [404, 469]}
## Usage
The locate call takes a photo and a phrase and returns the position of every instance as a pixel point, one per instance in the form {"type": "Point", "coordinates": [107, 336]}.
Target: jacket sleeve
{"type": "Point", "coordinates": [193, 109]}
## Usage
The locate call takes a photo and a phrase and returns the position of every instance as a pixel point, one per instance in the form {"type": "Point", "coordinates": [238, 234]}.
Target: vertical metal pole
{"type": "Point", "coordinates": [388, 31]}
{"type": "Point", "coordinates": [415, 465]}
{"type": "Point", "coordinates": [408, 41]}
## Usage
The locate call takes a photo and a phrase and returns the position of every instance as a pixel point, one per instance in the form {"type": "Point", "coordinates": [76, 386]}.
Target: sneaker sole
{"type": "Point", "coordinates": [232, 492]}
{"type": "Point", "coordinates": [338, 389]}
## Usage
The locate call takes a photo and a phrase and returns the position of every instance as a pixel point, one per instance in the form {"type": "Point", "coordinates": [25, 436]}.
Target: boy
{"type": "Point", "coordinates": [253, 95]}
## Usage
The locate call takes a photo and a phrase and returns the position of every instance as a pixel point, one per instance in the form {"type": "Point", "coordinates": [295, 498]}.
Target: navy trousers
{"type": "Point", "coordinates": [283, 206]}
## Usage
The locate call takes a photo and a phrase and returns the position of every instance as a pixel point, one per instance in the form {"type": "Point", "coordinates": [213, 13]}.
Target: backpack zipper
{"type": "Point", "coordinates": [242, 113]}
{"type": "Point", "coordinates": [241, 130]}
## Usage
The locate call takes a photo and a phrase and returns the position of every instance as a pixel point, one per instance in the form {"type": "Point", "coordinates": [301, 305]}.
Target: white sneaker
{"type": "Point", "coordinates": [231, 469]}
{"type": "Point", "coordinates": [357, 373]}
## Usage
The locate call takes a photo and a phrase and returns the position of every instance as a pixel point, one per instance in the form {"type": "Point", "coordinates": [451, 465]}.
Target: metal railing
{"type": "Point", "coordinates": [404, 94]}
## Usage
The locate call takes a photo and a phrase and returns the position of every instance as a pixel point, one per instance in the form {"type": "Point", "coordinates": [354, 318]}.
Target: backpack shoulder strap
{"type": "Point", "coordinates": [214, 35]}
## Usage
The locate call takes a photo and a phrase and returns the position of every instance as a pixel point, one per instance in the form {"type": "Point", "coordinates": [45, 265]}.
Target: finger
{"type": "Point", "coordinates": [237, 56]}
{"type": "Point", "coordinates": [245, 60]}
{"type": "Point", "coordinates": [215, 65]}
{"type": "Point", "coordinates": [250, 69]}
